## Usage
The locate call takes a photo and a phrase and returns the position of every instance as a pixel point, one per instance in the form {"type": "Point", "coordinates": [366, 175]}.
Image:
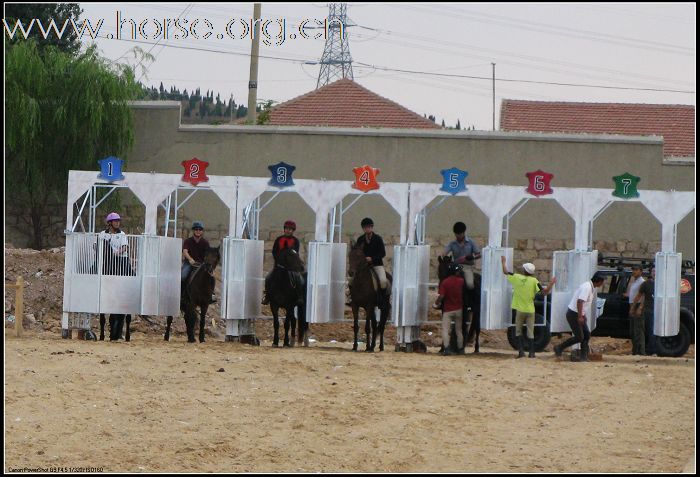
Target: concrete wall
{"type": "Point", "coordinates": [162, 143]}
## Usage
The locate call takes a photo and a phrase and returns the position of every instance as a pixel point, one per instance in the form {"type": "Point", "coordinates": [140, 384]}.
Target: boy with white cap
{"type": "Point", "coordinates": [525, 287]}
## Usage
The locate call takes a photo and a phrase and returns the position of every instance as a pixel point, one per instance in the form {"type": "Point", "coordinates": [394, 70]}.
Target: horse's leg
{"type": "Point", "coordinates": [382, 324]}
{"type": "Point", "coordinates": [374, 330]}
{"type": "Point", "coordinates": [190, 319]}
{"type": "Point", "coordinates": [111, 327]}
{"type": "Point", "coordinates": [368, 327]}
{"type": "Point", "coordinates": [355, 325]}
{"type": "Point", "coordinates": [167, 329]}
{"type": "Point", "coordinates": [275, 325]}
{"type": "Point", "coordinates": [293, 326]}
{"type": "Point", "coordinates": [203, 320]}
{"type": "Point", "coordinates": [287, 322]}
{"type": "Point", "coordinates": [128, 326]}
{"type": "Point", "coordinates": [476, 319]}
{"type": "Point", "coordinates": [303, 326]}
{"type": "Point", "coordinates": [102, 326]}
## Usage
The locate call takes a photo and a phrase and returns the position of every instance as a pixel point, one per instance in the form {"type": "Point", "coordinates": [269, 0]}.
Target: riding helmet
{"type": "Point", "coordinates": [112, 216]}
{"type": "Point", "coordinates": [197, 225]}
{"type": "Point", "coordinates": [290, 224]}
{"type": "Point", "coordinates": [459, 227]}
{"type": "Point", "coordinates": [367, 221]}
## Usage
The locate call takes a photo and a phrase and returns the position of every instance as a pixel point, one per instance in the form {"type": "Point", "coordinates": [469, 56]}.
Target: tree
{"type": "Point", "coordinates": [458, 126]}
{"type": "Point", "coordinates": [44, 13]}
{"type": "Point", "coordinates": [443, 123]}
{"type": "Point", "coordinates": [67, 112]}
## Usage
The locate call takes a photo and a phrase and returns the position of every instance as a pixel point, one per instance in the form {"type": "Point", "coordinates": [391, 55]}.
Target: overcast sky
{"type": "Point", "coordinates": [624, 45]}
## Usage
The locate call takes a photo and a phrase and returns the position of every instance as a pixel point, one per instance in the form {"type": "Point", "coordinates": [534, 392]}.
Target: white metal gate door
{"type": "Point", "coordinates": [496, 291]}
{"type": "Point", "coordinates": [667, 294]}
{"type": "Point", "coordinates": [160, 271]}
{"type": "Point", "coordinates": [571, 268]}
{"type": "Point", "coordinates": [411, 267]}
{"type": "Point", "coordinates": [242, 275]}
{"type": "Point", "coordinates": [325, 289]}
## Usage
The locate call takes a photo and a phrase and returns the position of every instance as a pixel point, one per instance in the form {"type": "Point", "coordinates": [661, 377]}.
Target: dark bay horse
{"type": "Point", "coordinates": [472, 301]}
{"type": "Point", "coordinates": [199, 287]}
{"type": "Point", "coordinates": [288, 291]}
{"type": "Point", "coordinates": [365, 295]}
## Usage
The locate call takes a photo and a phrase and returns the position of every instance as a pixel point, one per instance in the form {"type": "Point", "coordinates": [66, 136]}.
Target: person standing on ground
{"type": "Point", "coordinates": [635, 315]}
{"type": "Point", "coordinates": [525, 287]}
{"type": "Point", "coordinates": [450, 296]}
{"type": "Point", "coordinates": [646, 292]}
{"type": "Point", "coordinates": [576, 316]}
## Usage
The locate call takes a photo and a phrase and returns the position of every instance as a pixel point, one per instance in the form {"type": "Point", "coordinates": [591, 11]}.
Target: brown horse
{"type": "Point", "coordinates": [198, 290]}
{"type": "Point", "coordinates": [365, 295]}
{"type": "Point", "coordinates": [472, 301]}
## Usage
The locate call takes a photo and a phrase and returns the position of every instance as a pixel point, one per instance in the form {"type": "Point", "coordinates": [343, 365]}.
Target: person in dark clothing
{"type": "Point", "coordinates": [286, 240]}
{"type": "Point", "coordinates": [646, 292]}
{"type": "Point", "coordinates": [193, 250]}
{"type": "Point", "coordinates": [373, 247]}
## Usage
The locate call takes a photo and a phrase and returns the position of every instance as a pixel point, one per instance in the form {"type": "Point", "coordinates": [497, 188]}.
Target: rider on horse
{"type": "Point", "coordinates": [287, 240]}
{"type": "Point", "coordinates": [193, 250]}
{"type": "Point", "coordinates": [464, 252]}
{"type": "Point", "coordinates": [373, 247]}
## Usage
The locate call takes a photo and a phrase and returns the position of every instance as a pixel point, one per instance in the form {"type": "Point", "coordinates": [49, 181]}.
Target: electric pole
{"type": "Point", "coordinates": [254, 54]}
{"type": "Point", "coordinates": [336, 62]}
{"type": "Point", "coordinates": [493, 81]}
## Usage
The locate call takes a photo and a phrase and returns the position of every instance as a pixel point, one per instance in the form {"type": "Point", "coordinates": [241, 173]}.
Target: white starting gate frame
{"type": "Point", "coordinates": [145, 281]}
{"type": "Point", "coordinates": [242, 196]}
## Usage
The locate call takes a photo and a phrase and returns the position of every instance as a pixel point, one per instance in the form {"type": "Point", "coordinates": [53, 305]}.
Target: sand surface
{"type": "Point", "coordinates": [153, 406]}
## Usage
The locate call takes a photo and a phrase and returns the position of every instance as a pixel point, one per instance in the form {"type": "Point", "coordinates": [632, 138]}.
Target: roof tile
{"type": "Point", "coordinates": [675, 122]}
{"type": "Point", "coordinates": [345, 103]}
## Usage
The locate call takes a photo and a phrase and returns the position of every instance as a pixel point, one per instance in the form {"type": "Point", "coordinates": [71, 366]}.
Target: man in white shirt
{"type": "Point", "coordinates": [576, 316]}
{"type": "Point", "coordinates": [636, 319]}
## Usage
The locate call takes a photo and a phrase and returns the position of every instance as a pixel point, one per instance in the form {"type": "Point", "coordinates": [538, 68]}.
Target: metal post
{"type": "Point", "coordinates": [493, 71]}
{"type": "Point", "coordinates": [254, 54]}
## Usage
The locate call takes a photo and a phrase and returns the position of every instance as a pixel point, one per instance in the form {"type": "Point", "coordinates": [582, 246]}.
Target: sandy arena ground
{"type": "Point", "coordinates": [152, 406]}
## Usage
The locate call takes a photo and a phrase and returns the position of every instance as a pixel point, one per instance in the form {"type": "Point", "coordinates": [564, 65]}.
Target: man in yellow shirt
{"type": "Point", "coordinates": [525, 287]}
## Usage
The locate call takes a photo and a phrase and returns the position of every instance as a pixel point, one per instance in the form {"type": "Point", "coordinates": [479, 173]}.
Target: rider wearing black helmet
{"type": "Point", "coordinates": [464, 252]}
{"type": "Point", "coordinates": [193, 250]}
{"type": "Point", "coordinates": [373, 246]}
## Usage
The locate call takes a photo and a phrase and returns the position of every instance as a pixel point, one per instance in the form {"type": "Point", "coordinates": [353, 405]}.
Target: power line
{"type": "Point", "coordinates": [523, 81]}
{"type": "Point", "coordinates": [446, 75]}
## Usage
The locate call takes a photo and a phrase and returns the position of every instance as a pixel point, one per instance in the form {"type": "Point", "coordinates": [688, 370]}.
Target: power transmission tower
{"type": "Point", "coordinates": [336, 62]}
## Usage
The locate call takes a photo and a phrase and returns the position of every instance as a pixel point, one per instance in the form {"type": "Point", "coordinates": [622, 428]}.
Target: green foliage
{"type": "Point", "coordinates": [264, 115]}
{"type": "Point", "coordinates": [45, 12]}
{"type": "Point", "coordinates": [67, 112]}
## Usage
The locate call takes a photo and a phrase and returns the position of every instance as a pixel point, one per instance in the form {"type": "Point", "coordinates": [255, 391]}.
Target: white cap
{"type": "Point", "coordinates": [529, 268]}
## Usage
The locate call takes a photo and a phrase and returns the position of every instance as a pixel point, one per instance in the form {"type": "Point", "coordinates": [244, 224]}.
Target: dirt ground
{"type": "Point", "coordinates": [152, 406]}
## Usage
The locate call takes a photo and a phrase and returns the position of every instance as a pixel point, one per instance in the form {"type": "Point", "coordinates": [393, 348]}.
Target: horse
{"type": "Point", "coordinates": [364, 295]}
{"type": "Point", "coordinates": [472, 301]}
{"type": "Point", "coordinates": [199, 287]}
{"type": "Point", "coordinates": [287, 285]}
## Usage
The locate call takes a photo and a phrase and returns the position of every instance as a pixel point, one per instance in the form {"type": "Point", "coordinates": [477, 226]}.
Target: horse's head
{"type": "Point", "coordinates": [443, 264]}
{"type": "Point", "coordinates": [212, 257]}
{"type": "Point", "coordinates": [290, 259]}
{"type": "Point", "coordinates": [356, 258]}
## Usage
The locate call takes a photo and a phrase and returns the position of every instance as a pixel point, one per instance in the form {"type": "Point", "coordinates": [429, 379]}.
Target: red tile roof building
{"type": "Point", "coordinates": [675, 122]}
{"type": "Point", "coordinates": [345, 103]}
